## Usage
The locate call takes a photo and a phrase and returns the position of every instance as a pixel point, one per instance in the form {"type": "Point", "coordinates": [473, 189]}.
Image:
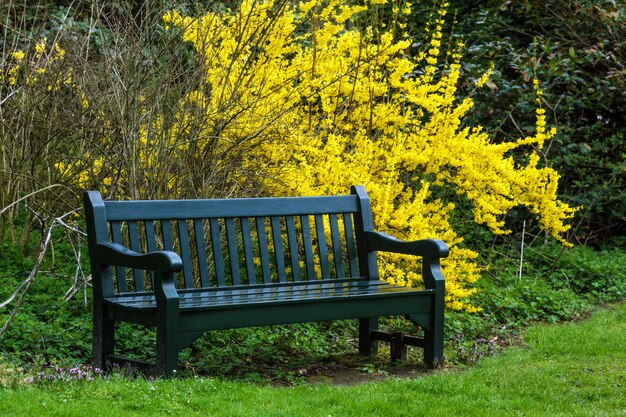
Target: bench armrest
{"type": "Point", "coordinates": [163, 263]}
{"type": "Point", "coordinates": [159, 261]}
{"type": "Point", "coordinates": [428, 248]}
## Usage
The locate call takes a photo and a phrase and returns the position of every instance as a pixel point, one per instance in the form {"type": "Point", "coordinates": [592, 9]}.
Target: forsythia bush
{"type": "Point", "coordinates": [310, 100]}
{"type": "Point", "coordinates": [351, 107]}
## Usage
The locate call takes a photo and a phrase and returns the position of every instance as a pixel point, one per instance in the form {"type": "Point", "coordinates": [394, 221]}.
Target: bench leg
{"type": "Point", "coordinates": [433, 342]}
{"type": "Point", "coordinates": [103, 341]}
{"type": "Point", "coordinates": [397, 347]}
{"type": "Point", "coordinates": [367, 345]}
{"type": "Point", "coordinates": [167, 351]}
{"type": "Point", "coordinates": [433, 349]}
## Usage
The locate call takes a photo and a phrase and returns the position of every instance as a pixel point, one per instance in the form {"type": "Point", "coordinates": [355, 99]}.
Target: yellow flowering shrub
{"type": "Point", "coordinates": [342, 106]}
{"type": "Point", "coordinates": [309, 103]}
{"type": "Point", "coordinates": [42, 73]}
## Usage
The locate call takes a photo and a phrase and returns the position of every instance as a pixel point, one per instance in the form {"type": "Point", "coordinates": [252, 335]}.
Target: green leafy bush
{"type": "Point", "coordinates": [556, 285]}
{"type": "Point", "coordinates": [598, 276]}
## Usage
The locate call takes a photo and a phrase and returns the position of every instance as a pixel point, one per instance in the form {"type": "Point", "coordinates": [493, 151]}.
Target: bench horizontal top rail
{"type": "Point", "coordinates": [232, 207]}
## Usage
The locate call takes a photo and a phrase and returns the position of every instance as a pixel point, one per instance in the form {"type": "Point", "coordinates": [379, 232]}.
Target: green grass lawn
{"type": "Point", "coordinates": [574, 369]}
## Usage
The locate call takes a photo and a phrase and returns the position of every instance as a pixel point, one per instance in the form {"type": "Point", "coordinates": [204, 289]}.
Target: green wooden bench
{"type": "Point", "coordinates": [187, 267]}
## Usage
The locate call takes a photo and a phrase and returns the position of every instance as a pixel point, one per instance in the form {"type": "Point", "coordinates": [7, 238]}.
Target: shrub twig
{"type": "Point", "coordinates": [24, 287]}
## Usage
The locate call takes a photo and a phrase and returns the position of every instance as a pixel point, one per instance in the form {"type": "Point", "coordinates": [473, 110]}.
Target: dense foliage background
{"type": "Point", "coordinates": [575, 48]}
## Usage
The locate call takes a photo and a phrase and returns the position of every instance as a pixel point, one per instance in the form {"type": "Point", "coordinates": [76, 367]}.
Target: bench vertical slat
{"type": "Point", "coordinates": [218, 258]}
{"type": "Point", "coordinates": [185, 253]}
{"type": "Point", "coordinates": [321, 246]}
{"type": "Point", "coordinates": [133, 236]}
{"type": "Point", "coordinates": [263, 249]}
{"type": "Point", "coordinates": [233, 253]}
{"type": "Point", "coordinates": [120, 272]}
{"type": "Point", "coordinates": [248, 254]}
{"type": "Point", "coordinates": [350, 245]}
{"type": "Point", "coordinates": [293, 248]}
{"type": "Point", "coordinates": [279, 254]}
{"type": "Point", "coordinates": [336, 241]}
{"type": "Point", "coordinates": [150, 242]}
{"type": "Point", "coordinates": [166, 232]}
{"type": "Point", "coordinates": [203, 266]}
{"type": "Point", "coordinates": [308, 247]}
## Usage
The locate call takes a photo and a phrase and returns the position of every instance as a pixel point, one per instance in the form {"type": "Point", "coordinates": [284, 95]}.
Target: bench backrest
{"type": "Point", "coordinates": [231, 242]}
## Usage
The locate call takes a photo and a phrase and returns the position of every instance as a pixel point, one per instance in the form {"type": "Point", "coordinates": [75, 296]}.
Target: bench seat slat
{"type": "Point", "coordinates": [216, 298]}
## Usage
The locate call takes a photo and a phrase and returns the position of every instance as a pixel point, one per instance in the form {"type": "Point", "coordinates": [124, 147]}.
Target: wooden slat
{"type": "Point", "coordinates": [263, 249]}
{"type": "Point", "coordinates": [233, 207]}
{"type": "Point", "coordinates": [279, 254]}
{"type": "Point", "coordinates": [293, 248]}
{"type": "Point", "coordinates": [203, 266]}
{"type": "Point", "coordinates": [151, 242]}
{"type": "Point", "coordinates": [218, 259]}
{"type": "Point", "coordinates": [233, 252]}
{"type": "Point", "coordinates": [336, 242]}
{"type": "Point", "coordinates": [321, 246]}
{"type": "Point", "coordinates": [120, 271]}
{"type": "Point", "coordinates": [308, 247]}
{"type": "Point", "coordinates": [305, 291]}
{"type": "Point", "coordinates": [350, 245]}
{"type": "Point", "coordinates": [133, 237]}
{"type": "Point", "coordinates": [150, 230]}
{"type": "Point", "coordinates": [185, 253]}
{"type": "Point", "coordinates": [166, 232]}
{"type": "Point", "coordinates": [248, 253]}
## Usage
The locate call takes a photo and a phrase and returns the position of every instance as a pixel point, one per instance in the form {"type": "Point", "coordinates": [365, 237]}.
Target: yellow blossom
{"type": "Point", "coordinates": [40, 48]}
{"type": "Point", "coordinates": [18, 55]}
